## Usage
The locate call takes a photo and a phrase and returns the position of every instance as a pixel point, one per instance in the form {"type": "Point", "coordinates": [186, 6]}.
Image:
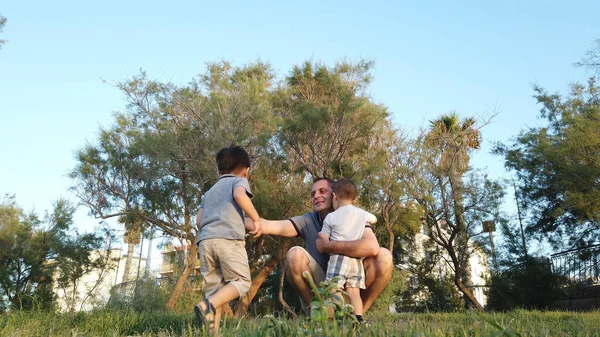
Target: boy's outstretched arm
{"type": "Point", "coordinates": [242, 199]}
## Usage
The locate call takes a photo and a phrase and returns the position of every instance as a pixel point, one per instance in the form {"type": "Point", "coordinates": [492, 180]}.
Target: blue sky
{"type": "Point", "coordinates": [431, 57]}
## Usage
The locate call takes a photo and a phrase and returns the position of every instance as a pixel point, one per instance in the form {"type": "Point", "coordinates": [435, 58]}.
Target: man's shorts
{"type": "Point", "coordinates": [224, 262]}
{"type": "Point", "coordinates": [349, 270]}
{"type": "Point", "coordinates": [317, 272]}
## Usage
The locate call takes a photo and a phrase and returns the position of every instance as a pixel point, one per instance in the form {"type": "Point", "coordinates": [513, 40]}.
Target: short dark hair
{"type": "Point", "coordinates": [329, 181]}
{"type": "Point", "coordinates": [231, 158]}
{"type": "Point", "coordinates": [345, 189]}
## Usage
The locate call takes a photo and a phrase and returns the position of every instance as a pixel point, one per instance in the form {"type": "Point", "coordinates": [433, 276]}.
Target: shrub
{"type": "Point", "coordinates": [530, 285]}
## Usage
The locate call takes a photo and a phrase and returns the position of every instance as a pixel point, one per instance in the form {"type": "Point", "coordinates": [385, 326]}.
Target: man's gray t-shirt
{"type": "Point", "coordinates": [308, 226]}
{"type": "Point", "coordinates": [222, 217]}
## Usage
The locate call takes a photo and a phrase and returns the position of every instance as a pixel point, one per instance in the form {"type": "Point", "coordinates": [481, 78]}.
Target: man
{"type": "Point", "coordinates": [377, 261]}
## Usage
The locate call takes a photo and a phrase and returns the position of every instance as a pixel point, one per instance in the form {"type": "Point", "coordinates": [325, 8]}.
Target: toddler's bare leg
{"type": "Point", "coordinates": [336, 296]}
{"type": "Point", "coordinates": [355, 300]}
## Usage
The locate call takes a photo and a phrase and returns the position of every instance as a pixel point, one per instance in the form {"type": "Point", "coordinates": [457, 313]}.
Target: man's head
{"type": "Point", "coordinates": [344, 192]}
{"type": "Point", "coordinates": [233, 160]}
{"type": "Point", "coordinates": [320, 196]}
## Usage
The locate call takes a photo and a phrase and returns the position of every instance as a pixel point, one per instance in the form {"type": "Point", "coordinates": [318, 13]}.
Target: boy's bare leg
{"type": "Point", "coordinates": [337, 297]}
{"type": "Point", "coordinates": [355, 300]}
{"type": "Point", "coordinates": [378, 273]}
{"type": "Point", "coordinates": [217, 324]}
{"type": "Point", "coordinates": [224, 295]}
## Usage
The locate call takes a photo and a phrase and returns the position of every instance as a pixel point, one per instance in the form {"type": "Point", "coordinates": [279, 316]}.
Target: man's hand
{"type": "Point", "coordinates": [323, 243]}
{"type": "Point", "coordinates": [257, 231]}
{"type": "Point", "coordinates": [367, 246]}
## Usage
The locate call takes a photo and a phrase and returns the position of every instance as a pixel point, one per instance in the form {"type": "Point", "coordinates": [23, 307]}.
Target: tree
{"type": "Point", "coordinates": [327, 120]}
{"type": "Point", "coordinates": [31, 249]}
{"type": "Point", "coordinates": [2, 23]}
{"type": "Point", "coordinates": [156, 161]}
{"type": "Point", "coordinates": [592, 58]}
{"type": "Point", "coordinates": [385, 193]}
{"type": "Point", "coordinates": [453, 204]}
{"type": "Point", "coordinates": [558, 166]}
{"type": "Point", "coordinates": [132, 237]}
{"type": "Point", "coordinates": [73, 266]}
{"type": "Point", "coordinates": [454, 140]}
{"type": "Point", "coordinates": [325, 126]}
{"type": "Point", "coordinates": [154, 164]}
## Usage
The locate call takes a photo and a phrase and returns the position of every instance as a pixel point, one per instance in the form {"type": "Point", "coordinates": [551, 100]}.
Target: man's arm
{"type": "Point", "coordinates": [279, 227]}
{"type": "Point", "coordinates": [275, 227]}
{"type": "Point", "coordinates": [367, 246]}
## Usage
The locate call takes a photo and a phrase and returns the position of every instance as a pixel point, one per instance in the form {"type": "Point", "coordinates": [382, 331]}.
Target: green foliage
{"type": "Point", "coordinates": [161, 324]}
{"type": "Point", "coordinates": [453, 202]}
{"type": "Point", "coordinates": [511, 251]}
{"type": "Point", "coordinates": [144, 295]}
{"type": "Point", "coordinates": [327, 119]}
{"type": "Point", "coordinates": [429, 294]}
{"type": "Point", "coordinates": [327, 298]}
{"type": "Point", "coordinates": [2, 23]}
{"type": "Point", "coordinates": [149, 295]}
{"type": "Point", "coordinates": [390, 295]}
{"type": "Point", "coordinates": [530, 285]}
{"type": "Point", "coordinates": [157, 159]}
{"type": "Point", "coordinates": [592, 58]}
{"type": "Point", "coordinates": [31, 251]}
{"type": "Point", "coordinates": [558, 166]}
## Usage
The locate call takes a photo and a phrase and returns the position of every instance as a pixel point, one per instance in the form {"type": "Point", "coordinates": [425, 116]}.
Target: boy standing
{"type": "Point", "coordinates": [347, 223]}
{"type": "Point", "coordinates": [221, 246]}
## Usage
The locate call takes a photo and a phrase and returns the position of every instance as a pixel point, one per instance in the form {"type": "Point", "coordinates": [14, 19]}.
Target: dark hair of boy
{"type": "Point", "coordinates": [232, 158]}
{"type": "Point", "coordinates": [345, 189]}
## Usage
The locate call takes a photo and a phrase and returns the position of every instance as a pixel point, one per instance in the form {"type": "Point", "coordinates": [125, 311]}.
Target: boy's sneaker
{"type": "Point", "coordinates": [204, 316]}
{"type": "Point", "coordinates": [360, 321]}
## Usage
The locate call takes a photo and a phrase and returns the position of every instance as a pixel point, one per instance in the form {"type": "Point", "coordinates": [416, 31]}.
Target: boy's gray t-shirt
{"type": "Point", "coordinates": [222, 217]}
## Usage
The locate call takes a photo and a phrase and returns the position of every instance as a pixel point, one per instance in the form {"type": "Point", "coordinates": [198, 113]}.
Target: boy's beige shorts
{"type": "Point", "coordinates": [224, 262]}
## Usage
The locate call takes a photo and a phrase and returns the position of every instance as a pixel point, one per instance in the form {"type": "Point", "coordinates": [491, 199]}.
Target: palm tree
{"type": "Point", "coordinates": [453, 140]}
{"type": "Point", "coordinates": [131, 238]}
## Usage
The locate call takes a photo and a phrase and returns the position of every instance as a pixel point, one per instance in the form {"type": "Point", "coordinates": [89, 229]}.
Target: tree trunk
{"type": "Point", "coordinates": [179, 286]}
{"type": "Point", "coordinates": [241, 308]}
{"type": "Point", "coordinates": [388, 227]}
{"type": "Point", "coordinates": [458, 274]}
{"type": "Point", "coordinates": [392, 238]}
{"type": "Point", "coordinates": [462, 238]}
{"type": "Point", "coordinates": [467, 293]}
{"type": "Point", "coordinates": [284, 304]}
{"type": "Point", "coordinates": [127, 269]}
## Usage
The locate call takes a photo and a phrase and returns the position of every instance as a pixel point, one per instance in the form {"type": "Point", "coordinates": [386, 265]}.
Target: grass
{"type": "Point", "coordinates": [127, 323]}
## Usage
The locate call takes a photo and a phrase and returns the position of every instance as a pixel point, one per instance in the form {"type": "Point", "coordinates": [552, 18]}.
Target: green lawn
{"type": "Point", "coordinates": [113, 323]}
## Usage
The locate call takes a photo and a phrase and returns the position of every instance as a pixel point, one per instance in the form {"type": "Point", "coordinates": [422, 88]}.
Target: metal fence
{"type": "Point", "coordinates": [126, 294]}
{"type": "Point", "coordinates": [580, 265]}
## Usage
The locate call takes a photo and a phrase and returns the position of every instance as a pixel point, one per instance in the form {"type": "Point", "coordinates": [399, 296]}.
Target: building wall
{"type": "Point", "coordinates": [478, 262]}
{"type": "Point", "coordinates": [93, 290]}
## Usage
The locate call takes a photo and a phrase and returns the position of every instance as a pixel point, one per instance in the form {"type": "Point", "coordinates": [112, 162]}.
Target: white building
{"type": "Point", "coordinates": [93, 290]}
{"type": "Point", "coordinates": [478, 265]}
